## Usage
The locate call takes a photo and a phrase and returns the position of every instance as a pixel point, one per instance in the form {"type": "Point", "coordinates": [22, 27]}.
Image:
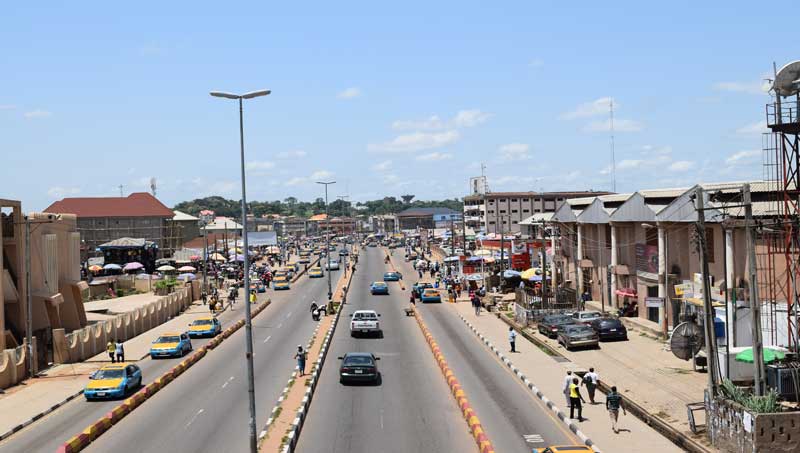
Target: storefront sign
{"type": "Point", "coordinates": [654, 302]}
{"type": "Point", "coordinates": [521, 261]}
{"type": "Point", "coordinates": [647, 258]}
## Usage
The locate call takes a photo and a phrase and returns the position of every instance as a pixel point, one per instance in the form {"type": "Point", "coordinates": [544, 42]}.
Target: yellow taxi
{"type": "Point", "coordinates": [205, 326]}
{"type": "Point", "coordinates": [171, 344]}
{"type": "Point", "coordinates": [113, 381]}
{"type": "Point", "coordinates": [281, 282]}
{"type": "Point", "coordinates": [315, 272]}
{"type": "Point", "coordinates": [563, 449]}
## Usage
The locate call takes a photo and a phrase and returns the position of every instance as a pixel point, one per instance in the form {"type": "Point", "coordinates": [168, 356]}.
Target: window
{"type": "Point", "coordinates": [513, 211]}
{"type": "Point", "coordinates": [608, 237]}
{"type": "Point", "coordinates": [513, 200]}
{"type": "Point", "coordinates": [537, 210]}
{"type": "Point", "coordinates": [502, 211]}
{"type": "Point", "coordinates": [503, 200]}
{"type": "Point", "coordinates": [526, 210]}
{"type": "Point", "coordinates": [514, 222]}
{"type": "Point", "coordinates": [491, 222]}
{"type": "Point", "coordinates": [525, 200]}
{"type": "Point", "coordinates": [651, 236]}
{"type": "Point", "coordinates": [710, 244]}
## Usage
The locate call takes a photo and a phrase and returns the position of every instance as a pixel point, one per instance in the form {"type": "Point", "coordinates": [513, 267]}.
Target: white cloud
{"type": "Point", "coordinates": [536, 63]}
{"type": "Point", "coordinates": [741, 157]}
{"type": "Point", "coordinates": [756, 87]}
{"type": "Point", "coordinates": [756, 128]}
{"type": "Point", "coordinates": [296, 181]}
{"type": "Point", "coordinates": [61, 192]}
{"type": "Point", "coordinates": [416, 141]}
{"type": "Point", "coordinates": [37, 114]}
{"type": "Point", "coordinates": [435, 156]}
{"type": "Point", "coordinates": [620, 125]}
{"type": "Point", "coordinates": [462, 119]}
{"type": "Point", "coordinates": [597, 107]}
{"type": "Point", "coordinates": [259, 165]}
{"type": "Point", "coordinates": [628, 164]}
{"type": "Point", "coordinates": [7, 107]}
{"type": "Point", "coordinates": [320, 175]}
{"type": "Point", "coordinates": [681, 165]}
{"type": "Point", "coordinates": [382, 166]}
{"type": "Point", "coordinates": [349, 93]}
{"type": "Point", "coordinates": [294, 154]}
{"type": "Point", "coordinates": [515, 151]}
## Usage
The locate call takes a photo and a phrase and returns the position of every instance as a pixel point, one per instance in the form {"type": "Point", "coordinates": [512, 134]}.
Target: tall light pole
{"type": "Point", "coordinates": [251, 390]}
{"type": "Point", "coordinates": [328, 238]}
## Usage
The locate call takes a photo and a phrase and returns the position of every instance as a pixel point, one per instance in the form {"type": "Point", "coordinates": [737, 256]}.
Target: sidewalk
{"type": "Point", "coordinates": [34, 396]}
{"type": "Point", "coordinates": [548, 372]}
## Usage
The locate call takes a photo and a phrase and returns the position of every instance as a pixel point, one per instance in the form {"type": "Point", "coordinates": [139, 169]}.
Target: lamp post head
{"type": "Point", "coordinates": [250, 95]}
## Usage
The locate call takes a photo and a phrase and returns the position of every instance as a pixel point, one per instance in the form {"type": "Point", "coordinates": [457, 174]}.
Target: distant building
{"type": "Point", "coordinates": [504, 210]}
{"type": "Point", "coordinates": [187, 225]}
{"type": "Point", "coordinates": [427, 218]}
{"type": "Point", "coordinates": [384, 223]}
{"type": "Point", "coordinates": [104, 219]}
{"type": "Point", "coordinates": [292, 226]}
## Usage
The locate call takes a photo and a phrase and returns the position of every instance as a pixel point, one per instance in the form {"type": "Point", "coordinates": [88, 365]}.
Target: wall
{"type": "Point", "coordinates": [768, 433]}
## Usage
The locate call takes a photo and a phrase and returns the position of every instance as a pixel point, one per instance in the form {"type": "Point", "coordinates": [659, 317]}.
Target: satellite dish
{"type": "Point", "coordinates": [687, 340]}
{"type": "Point", "coordinates": [787, 80]}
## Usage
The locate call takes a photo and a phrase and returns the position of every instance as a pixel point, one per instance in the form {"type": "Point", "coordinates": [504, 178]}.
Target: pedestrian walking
{"type": "Point", "coordinates": [575, 399]}
{"type": "Point", "coordinates": [119, 349]}
{"type": "Point", "coordinates": [476, 304]}
{"type": "Point", "coordinates": [253, 296]}
{"type": "Point", "coordinates": [301, 360]}
{"type": "Point", "coordinates": [512, 339]}
{"type": "Point", "coordinates": [613, 405]}
{"type": "Point", "coordinates": [420, 272]}
{"type": "Point", "coordinates": [585, 297]}
{"type": "Point", "coordinates": [412, 298]}
{"type": "Point", "coordinates": [567, 382]}
{"type": "Point", "coordinates": [590, 380]}
{"type": "Point", "coordinates": [111, 348]}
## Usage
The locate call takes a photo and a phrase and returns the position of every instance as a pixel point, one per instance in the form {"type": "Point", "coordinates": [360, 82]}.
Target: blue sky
{"type": "Point", "coordinates": [385, 98]}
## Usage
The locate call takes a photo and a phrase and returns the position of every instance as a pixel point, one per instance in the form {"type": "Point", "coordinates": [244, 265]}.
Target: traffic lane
{"type": "Point", "coordinates": [52, 430]}
{"type": "Point", "coordinates": [206, 409]}
{"type": "Point", "coordinates": [514, 419]}
{"type": "Point", "coordinates": [412, 409]}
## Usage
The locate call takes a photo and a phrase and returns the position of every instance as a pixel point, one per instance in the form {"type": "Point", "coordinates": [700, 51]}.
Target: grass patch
{"type": "Point", "coordinates": [509, 315]}
{"type": "Point", "coordinates": [277, 413]}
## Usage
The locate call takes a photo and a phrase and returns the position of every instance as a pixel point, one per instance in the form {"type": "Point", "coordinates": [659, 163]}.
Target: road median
{"type": "Point", "coordinates": [81, 440]}
{"type": "Point", "coordinates": [470, 416]}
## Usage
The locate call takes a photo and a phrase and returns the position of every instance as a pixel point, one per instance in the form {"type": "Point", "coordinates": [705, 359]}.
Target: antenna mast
{"type": "Point", "coordinates": [613, 158]}
{"type": "Point", "coordinates": [120, 190]}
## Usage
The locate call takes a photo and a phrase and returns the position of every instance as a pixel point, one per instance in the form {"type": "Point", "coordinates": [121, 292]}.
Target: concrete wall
{"type": "Point", "coordinates": [767, 433]}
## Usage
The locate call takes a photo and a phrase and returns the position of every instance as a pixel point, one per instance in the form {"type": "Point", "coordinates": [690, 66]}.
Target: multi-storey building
{"type": "Point", "coordinates": [502, 211]}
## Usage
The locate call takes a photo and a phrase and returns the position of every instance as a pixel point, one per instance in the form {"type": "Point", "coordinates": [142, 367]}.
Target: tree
{"type": "Point", "coordinates": [407, 198]}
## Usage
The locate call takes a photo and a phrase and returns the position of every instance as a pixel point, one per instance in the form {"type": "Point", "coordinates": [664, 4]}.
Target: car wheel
{"type": "Point", "coordinates": [380, 334]}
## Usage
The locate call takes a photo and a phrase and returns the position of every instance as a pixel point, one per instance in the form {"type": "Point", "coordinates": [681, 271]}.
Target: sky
{"type": "Point", "coordinates": [385, 98]}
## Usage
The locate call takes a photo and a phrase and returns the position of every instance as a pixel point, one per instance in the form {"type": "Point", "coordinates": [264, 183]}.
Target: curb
{"type": "Point", "coordinates": [38, 416]}
{"type": "Point", "coordinates": [481, 439]}
{"type": "Point", "coordinates": [538, 393]}
{"type": "Point", "coordinates": [297, 424]}
{"type": "Point", "coordinates": [304, 270]}
{"type": "Point", "coordinates": [665, 429]}
{"type": "Point", "coordinates": [82, 440]}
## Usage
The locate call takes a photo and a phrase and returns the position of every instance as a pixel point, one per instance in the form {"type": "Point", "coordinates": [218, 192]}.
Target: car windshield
{"type": "Point", "coordinates": [380, 284]}
{"type": "Point", "coordinates": [365, 316]}
{"type": "Point", "coordinates": [358, 360]}
{"type": "Point", "coordinates": [202, 322]}
{"type": "Point", "coordinates": [168, 339]}
{"type": "Point", "coordinates": [579, 330]}
{"type": "Point", "coordinates": [109, 374]}
{"type": "Point", "coordinates": [592, 314]}
{"type": "Point", "coordinates": [431, 292]}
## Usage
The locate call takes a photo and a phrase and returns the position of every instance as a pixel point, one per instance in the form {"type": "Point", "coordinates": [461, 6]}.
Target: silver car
{"type": "Point", "coordinates": [578, 336]}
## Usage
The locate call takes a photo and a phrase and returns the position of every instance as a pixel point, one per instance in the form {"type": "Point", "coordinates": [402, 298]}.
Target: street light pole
{"type": "Point", "coordinates": [251, 391]}
{"type": "Point", "coordinates": [328, 238]}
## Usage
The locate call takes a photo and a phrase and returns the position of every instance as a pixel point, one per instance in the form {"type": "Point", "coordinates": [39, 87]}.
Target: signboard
{"type": "Point", "coordinates": [647, 258]}
{"type": "Point", "coordinates": [477, 185]}
{"type": "Point", "coordinates": [96, 261]}
{"type": "Point", "coordinates": [684, 288]}
{"type": "Point", "coordinates": [654, 302]}
{"type": "Point", "coordinates": [520, 261]}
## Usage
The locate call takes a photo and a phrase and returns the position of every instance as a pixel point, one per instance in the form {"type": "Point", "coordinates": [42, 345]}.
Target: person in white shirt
{"type": "Point", "coordinates": [590, 380]}
{"type": "Point", "coordinates": [567, 382]}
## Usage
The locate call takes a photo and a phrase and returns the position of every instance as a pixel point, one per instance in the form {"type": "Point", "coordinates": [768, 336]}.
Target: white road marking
{"type": "Point", "coordinates": [533, 438]}
{"type": "Point", "coordinates": [195, 417]}
{"type": "Point", "coordinates": [225, 384]}
{"type": "Point", "coordinates": [267, 339]}
{"type": "Point", "coordinates": [280, 325]}
{"type": "Point", "coordinates": [381, 418]}
{"type": "Point", "coordinates": [288, 314]}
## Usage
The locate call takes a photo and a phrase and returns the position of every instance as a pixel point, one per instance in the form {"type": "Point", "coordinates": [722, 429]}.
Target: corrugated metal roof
{"type": "Point", "coordinates": [538, 218]}
{"type": "Point", "coordinates": [137, 204]}
{"type": "Point", "coordinates": [183, 217]}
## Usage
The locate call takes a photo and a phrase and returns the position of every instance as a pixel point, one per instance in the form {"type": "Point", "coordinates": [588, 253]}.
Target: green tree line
{"type": "Point", "coordinates": [291, 206]}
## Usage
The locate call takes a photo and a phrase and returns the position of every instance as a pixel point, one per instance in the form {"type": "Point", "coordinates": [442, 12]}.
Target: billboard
{"type": "Point", "coordinates": [477, 185]}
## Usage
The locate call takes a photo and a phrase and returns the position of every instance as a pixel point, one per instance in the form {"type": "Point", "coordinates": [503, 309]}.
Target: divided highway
{"type": "Point", "coordinates": [411, 411]}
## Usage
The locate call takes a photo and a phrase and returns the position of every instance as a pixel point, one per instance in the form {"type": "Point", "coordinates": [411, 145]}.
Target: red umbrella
{"type": "Point", "coordinates": [194, 257]}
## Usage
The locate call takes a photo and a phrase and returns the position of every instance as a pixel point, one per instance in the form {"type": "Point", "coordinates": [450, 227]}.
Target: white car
{"type": "Point", "coordinates": [332, 265]}
{"type": "Point", "coordinates": [586, 317]}
{"type": "Point", "coordinates": [365, 322]}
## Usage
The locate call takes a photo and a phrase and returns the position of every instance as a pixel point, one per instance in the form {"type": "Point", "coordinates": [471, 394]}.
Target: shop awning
{"type": "Point", "coordinates": [697, 302]}
{"type": "Point", "coordinates": [626, 292]}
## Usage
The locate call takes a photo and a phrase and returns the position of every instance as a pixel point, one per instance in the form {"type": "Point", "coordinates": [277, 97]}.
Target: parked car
{"type": "Point", "coordinates": [586, 317]}
{"type": "Point", "coordinates": [332, 265]}
{"type": "Point", "coordinates": [171, 344]}
{"type": "Point", "coordinates": [359, 367]}
{"type": "Point", "coordinates": [113, 381]}
{"type": "Point", "coordinates": [206, 326]}
{"type": "Point", "coordinates": [343, 252]}
{"type": "Point", "coordinates": [610, 329]}
{"type": "Point", "coordinates": [577, 336]}
{"type": "Point", "coordinates": [422, 286]}
{"type": "Point", "coordinates": [431, 295]}
{"type": "Point", "coordinates": [365, 321]}
{"type": "Point", "coordinates": [548, 326]}
{"type": "Point", "coordinates": [315, 272]}
{"type": "Point", "coordinates": [258, 287]}
{"type": "Point", "coordinates": [379, 288]}
{"type": "Point", "coordinates": [392, 276]}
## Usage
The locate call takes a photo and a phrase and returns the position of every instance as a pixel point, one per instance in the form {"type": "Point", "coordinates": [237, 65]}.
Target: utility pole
{"type": "Point", "coordinates": [543, 262]}
{"type": "Point", "coordinates": [502, 245]}
{"type": "Point", "coordinates": [205, 261]}
{"type": "Point", "coordinates": [755, 302]}
{"type": "Point", "coordinates": [711, 357]}
{"type": "Point", "coordinates": [328, 240]}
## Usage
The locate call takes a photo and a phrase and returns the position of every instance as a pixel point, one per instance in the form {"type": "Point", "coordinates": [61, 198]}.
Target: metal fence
{"type": "Point", "coordinates": [531, 308]}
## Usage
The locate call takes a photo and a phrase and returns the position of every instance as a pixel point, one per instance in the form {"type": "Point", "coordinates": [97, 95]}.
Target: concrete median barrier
{"type": "Point", "coordinates": [474, 423]}
{"type": "Point", "coordinates": [96, 429]}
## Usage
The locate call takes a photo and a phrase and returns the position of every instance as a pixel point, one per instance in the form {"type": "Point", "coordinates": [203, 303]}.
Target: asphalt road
{"type": "Point", "coordinates": [206, 410]}
{"type": "Point", "coordinates": [412, 410]}
{"type": "Point", "coordinates": [288, 323]}
{"type": "Point", "coordinates": [514, 419]}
